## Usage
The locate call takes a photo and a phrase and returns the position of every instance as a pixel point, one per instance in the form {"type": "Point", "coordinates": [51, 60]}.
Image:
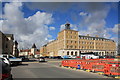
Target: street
{"type": "Point", "coordinates": [49, 69]}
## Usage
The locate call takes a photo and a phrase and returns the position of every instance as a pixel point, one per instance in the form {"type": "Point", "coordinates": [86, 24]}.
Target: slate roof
{"type": "Point", "coordinates": [34, 46]}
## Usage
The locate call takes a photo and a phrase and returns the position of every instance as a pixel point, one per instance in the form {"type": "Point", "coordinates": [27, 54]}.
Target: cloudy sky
{"type": "Point", "coordinates": [40, 22]}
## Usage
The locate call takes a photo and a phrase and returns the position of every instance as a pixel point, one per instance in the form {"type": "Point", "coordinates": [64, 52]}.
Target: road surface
{"type": "Point", "coordinates": [49, 69]}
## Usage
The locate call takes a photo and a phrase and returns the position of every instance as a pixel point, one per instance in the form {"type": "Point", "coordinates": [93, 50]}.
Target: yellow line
{"type": "Point", "coordinates": [118, 77]}
{"type": "Point", "coordinates": [54, 61]}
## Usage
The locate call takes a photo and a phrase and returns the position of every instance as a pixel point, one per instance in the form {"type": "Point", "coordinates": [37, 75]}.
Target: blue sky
{"type": "Point", "coordinates": [39, 22]}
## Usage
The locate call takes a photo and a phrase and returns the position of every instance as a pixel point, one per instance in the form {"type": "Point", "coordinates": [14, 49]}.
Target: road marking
{"type": "Point", "coordinates": [100, 73]}
{"type": "Point", "coordinates": [117, 77]}
{"type": "Point", "coordinates": [87, 70]}
{"type": "Point", "coordinates": [54, 61]}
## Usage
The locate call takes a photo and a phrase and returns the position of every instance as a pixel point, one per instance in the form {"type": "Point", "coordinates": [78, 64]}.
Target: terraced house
{"type": "Point", "coordinates": [69, 42]}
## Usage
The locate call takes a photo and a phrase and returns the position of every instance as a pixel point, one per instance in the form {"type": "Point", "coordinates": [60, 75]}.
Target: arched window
{"type": "Point", "coordinates": [76, 53]}
{"type": "Point", "coordinates": [68, 53]}
{"type": "Point", "coordinates": [72, 53]}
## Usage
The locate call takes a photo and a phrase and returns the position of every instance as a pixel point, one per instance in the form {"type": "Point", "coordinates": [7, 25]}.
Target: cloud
{"type": "Point", "coordinates": [61, 0]}
{"type": "Point", "coordinates": [27, 31]}
{"type": "Point", "coordinates": [82, 14]}
{"type": "Point", "coordinates": [49, 36]}
{"type": "Point", "coordinates": [115, 28]}
{"type": "Point", "coordinates": [95, 23]}
{"type": "Point", "coordinates": [62, 27]}
{"type": "Point", "coordinates": [1, 22]}
{"type": "Point", "coordinates": [49, 6]}
{"type": "Point", "coordinates": [52, 28]}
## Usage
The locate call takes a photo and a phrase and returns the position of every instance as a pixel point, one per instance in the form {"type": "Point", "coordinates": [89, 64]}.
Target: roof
{"type": "Point", "coordinates": [95, 37]}
{"type": "Point", "coordinates": [88, 53]}
{"type": "Point", "coordinates": [25, 50]}
{"type": "Point", "coordinates": [16, 43]}
{"type": "Point", "coordinates": [9, 35]}
{"type": "Point", "coordinates": [34, 46]}
{"type": "Point", "coordinates": [37, 52]}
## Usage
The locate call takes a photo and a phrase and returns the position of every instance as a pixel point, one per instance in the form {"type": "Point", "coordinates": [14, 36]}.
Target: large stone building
{"type": "Point", "coordinates": [6, 43]}
{"type": "Point", "coordinates": [69, 42]}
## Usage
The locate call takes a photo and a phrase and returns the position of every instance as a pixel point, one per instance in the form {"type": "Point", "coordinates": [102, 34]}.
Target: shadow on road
{"type": "Point", "coordinates": [31, 61]}
{"type": "Point", "coordinates": [19, 65]}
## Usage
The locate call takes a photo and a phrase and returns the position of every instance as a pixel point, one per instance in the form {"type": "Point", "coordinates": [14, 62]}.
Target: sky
{"type": "Point", "coordinates": [40, 22]}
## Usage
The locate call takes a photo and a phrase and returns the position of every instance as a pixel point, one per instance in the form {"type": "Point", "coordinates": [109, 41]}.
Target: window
{"type": "Point", "coordinates": [72, 53]}
{"type": "Point", "coordinates": [76, 53]}
{"type": "Point", "coordinates": [68, 53]}
{"type": "Point", "coordinates": [90, 46]}
{"type": "Point", "coordinates": [67, 41]}
{"type": "Point", "coordinates": [75, 46]}
{"type": "Point", "coordinates": [6, 46]}
{"type": "Point", "coordinates": [67, 46]}
{"type": "Point", "coordinates": [82, 42]}
{"type": "Point", "coordinates": [71, 46]}
{"type": "Point", "coordinates": [82, 47]}
{"type": "Point", "coordinates": [75, 41]}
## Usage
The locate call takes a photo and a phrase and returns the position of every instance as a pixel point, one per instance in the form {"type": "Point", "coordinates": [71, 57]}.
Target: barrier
{"type": "Point", "coordinates": [110, 67]}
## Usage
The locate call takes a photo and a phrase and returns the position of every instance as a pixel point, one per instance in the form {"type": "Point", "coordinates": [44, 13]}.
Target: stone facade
{"type": "Point", "coordinates": [6, 43]}
{"type": "Point", "coordinates": [69, 42]}
{"type": "Point", "coordinates": [15, 49]}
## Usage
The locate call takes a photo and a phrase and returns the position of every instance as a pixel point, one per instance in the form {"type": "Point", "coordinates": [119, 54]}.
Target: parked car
{"type": "Point", "coordinates": [13, 60]}
{"type": "Point", "coordinates": [23, 58]}
{"type": "Point", "coordinates": [65, 57]}
{"type": "Point", "coordinates": [5, 71]}
{"type": "Point", "coordinates": [101, 57]}
{"type": "Point", "coordinates": [6, 60]}
{"type": "Point", "coordinates": [72, 57]}
{"type": "Point", "coordinates": [46, 56]}
{"type": "Point", "coordinates": [41, 59]}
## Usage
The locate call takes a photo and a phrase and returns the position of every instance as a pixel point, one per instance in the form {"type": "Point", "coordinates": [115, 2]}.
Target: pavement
{"type": "Point", "coordinates": [49, 69]}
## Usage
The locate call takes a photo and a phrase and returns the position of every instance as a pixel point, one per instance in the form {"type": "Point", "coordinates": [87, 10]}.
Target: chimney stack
{"type": "Point", "coordinates": [96, 36]}
{"type": "Point", "coordinates": [88, 35]}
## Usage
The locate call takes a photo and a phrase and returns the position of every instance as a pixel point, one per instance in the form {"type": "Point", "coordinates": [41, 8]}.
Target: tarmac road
{"type": "Point", "coordinates": [49, 69]}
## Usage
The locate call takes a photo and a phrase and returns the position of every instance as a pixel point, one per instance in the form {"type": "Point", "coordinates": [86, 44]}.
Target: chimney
{"type": "Point", "coordinates": [88, 35]}
{"type": "Point", "coordinates": [96, 36]}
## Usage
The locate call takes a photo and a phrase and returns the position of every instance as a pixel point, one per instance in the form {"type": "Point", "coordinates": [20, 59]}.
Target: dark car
{"type": "Point", "coordinates": [5, 70]}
